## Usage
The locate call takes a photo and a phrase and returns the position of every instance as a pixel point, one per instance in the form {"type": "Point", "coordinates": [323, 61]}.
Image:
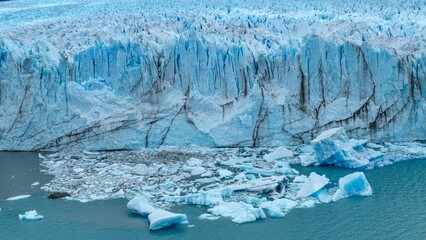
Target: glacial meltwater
{"type": "Point", "coordinates": [396, 210]}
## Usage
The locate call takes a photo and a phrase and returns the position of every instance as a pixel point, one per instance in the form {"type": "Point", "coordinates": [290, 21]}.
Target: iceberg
{"type": "Point", "coordinates": [353, 184]}
{"type": "Point", "coordinates": [313, 184]}
{"type": "Point", "coordinates": [161, 219]}
{"type": "Point", "coordinates": [239, 212]}
{"type": "Point", "coordinates": [333, 147]}
{"type": "Point", "coordinates": [140, 205]}
{"type": "Point", "coordinates": [30, 216]}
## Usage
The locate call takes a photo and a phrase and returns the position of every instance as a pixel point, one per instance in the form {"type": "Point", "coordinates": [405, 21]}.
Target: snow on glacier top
{"type": "Point", "coordinates": [74, 25]}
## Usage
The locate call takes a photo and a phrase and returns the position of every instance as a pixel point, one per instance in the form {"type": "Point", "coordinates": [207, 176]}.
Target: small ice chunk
{"type": "Point", "coordinates": [140, 205]}
{"type": "Point", "coordinates": [35, 184]}
{"type": "Point", "coordinates": [307, 159]}
{"type": "Point", "coordinates": [254, 200]}
{"type": "Point", "coordinates": [239, 212]}
{"type": "Point", "coordinates": [224, 173]}
{"type": "Point", "coordinates": [30, 216]}
{"type": "Point", "coordinates": [322, 195]}
{"type": "Point", "coordinates": [300, 179]}
{"type": "Point", "coordinates": [231, 162]}
{"type": "Point", "coordinates": [18, 197]}
{"type": "Point", "coordinates": [207, 174]}
{"type": "Point", "coordinates": [278, 207]}
{"type": "Point", "coordinates": [197, 170]}
{"type": "Point", "coordinates": [307, 204]}
{"type": "Point", "coordinates": [160, 219]}
{"type": "Point", "coordinates": [259, 185]}
{"type": "Point", "coordinates": [211, 197]}
{"type": "Point", "coordinates": [193, 162]}
{"type": "Point", "coordinates": [314, 183]}
{"type": "Point", "coordinates": [203, 198]}
{"type": "Point", "coordinates": [208, 216]}
{"type": "Point", "coordinates": [277, 154]}
{"type": "Point", "coordinates": [207, 180]}
{"type": "Point", "coordinates": [353, 184]}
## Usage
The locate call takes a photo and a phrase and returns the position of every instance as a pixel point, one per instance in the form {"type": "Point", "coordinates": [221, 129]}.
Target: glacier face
{"type": "Point", "coordinates": [145, 74]}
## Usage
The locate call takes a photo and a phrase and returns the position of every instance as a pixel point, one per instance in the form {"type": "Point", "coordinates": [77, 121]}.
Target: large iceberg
{"type": "Point", "coordinates": [102, 76]}
{"type": "Point", "coordinates": [353, 184]}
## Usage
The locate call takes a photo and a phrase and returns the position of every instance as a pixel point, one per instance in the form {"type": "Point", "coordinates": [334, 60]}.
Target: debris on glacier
{"type": "Point", "coordinates": [18, 197]}
{"type": "Point", "coordinates": [353, 184]}
{"type": "Point", "coordinates": [30, 216]}
{"type": "Point", "coordinates": [159, 219]}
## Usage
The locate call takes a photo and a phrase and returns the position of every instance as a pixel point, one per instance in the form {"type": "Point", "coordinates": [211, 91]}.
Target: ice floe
{"type": "Point", "coordinates": [18, 197]}
{"type": "Point", "coordinates": [30, 216]}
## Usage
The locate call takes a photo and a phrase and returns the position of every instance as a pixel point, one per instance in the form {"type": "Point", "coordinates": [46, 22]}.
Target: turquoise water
{"type": "Point", "coordinates": [397, 210]}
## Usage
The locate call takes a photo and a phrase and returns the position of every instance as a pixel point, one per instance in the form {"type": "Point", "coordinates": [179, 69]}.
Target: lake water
{"type": "Point", "coordinates": [397, 210]}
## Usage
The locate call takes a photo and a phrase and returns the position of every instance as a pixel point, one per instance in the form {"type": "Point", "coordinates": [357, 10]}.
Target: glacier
{"type": "Point", "coordinates": [102, 75]}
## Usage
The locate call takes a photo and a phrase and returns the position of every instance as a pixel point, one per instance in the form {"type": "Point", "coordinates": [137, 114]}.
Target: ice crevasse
{"type": "Point", "coordinates": [180, 79]}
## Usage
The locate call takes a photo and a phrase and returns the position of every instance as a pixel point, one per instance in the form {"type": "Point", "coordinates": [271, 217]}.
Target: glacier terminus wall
{"type": "Point", "coordinates": [105, 75]}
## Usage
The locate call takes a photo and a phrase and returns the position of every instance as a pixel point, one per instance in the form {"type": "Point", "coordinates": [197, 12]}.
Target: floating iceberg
{"type": "Point", "coordinates": [140, 205]}
{"type": "Point", "coordinates": [353, 184]}
{"type": "Point", "coordinates": [30, 216]}
{"type": "Point", "coordinates": [314, 183]}
{"type": "Point", "coordinates": [161, 219]}
{"type": "Point", "coordinates": [18, 197]}
{"type": "Point", "coordinates": [278, 207]}
{"type": "Point", "coordinates": [239, 212]}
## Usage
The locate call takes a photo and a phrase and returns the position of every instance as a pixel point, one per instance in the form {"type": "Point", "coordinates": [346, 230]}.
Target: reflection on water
{"type": "Point", "coordinates": [397, 210]}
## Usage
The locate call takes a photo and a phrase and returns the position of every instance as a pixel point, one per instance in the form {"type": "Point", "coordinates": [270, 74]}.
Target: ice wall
{"type": "Point", "coordinates": [193, 87]}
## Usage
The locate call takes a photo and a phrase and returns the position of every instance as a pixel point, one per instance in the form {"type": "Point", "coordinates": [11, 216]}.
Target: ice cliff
{"type": "Point", "coordinates": [126, 75]}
